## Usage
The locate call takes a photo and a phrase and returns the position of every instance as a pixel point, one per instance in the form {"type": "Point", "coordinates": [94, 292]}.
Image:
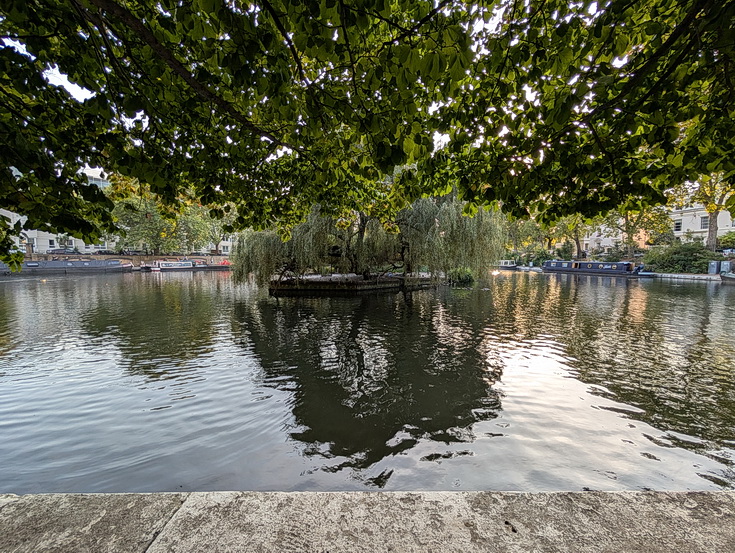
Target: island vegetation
{"type": "Point", "coordinates": [432, 236]}
{"type": "Point", "coordinates": [549, 109]}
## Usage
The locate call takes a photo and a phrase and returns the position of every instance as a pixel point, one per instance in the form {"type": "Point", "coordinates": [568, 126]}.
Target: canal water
{"type": "Point", "coordinates": [169, 382]}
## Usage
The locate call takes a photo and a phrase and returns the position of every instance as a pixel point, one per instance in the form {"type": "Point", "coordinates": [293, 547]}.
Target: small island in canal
{"type": "Point", "coordinates": [346, 284]}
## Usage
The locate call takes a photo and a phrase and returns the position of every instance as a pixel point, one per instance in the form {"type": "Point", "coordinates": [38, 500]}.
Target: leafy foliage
{"type": "Point", "coordinates": [12, 259]}
{"type": "Point", "coordinates": [661, 237]}
{"type": "Point", "coordinates": [635, 223]}
{"type": "Point", "coordinates": [714, 192]}
{"type": "Point", "coordinates": [460, 277]}
{"type": "Point", "coordinates": [566, 250]}
{"type": "Point", "coordinates": [161, 227]}
{"type": "Point", "coordinates": [691, 257]}
{"type": "Point", "coordinates": [262, 254]}
{"type": "Point", "coordinates": [727, 240]}
{"type": "Point", "coordinates": [273, 106]}
{"type": "Point", "coordinates": [219, 224]}
{"type": "Point", "coordinates": [433, 235]}
{"type": "Point", "coordinates": [580, 107]}
{"type": "Point", "coordinates": [438, 236]}
{"type": "Point", "coordinates": [524, 235]}
{"type": "Point", "coordinates": [535, 256]}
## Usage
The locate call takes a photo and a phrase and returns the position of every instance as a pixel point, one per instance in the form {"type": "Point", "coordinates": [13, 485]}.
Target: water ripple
{"type": "Point", "coordinates": [537, 382]}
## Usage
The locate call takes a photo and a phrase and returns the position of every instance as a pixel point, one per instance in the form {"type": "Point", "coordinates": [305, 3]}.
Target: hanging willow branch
{"type": "Point", "coordinates": [435, 236]}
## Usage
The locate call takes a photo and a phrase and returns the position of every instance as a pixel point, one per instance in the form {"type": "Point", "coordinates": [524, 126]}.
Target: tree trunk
{"type": "Point", "coordinates": [360, 265]}
{"type": "Point", "coordinates": [577, 244]}
{"type": "Point", "coordinates": [712, 231]}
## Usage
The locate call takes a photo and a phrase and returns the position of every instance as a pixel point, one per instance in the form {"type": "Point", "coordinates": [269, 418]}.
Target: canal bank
{"type": "Point", "coordinates": [687, 276]}
{"type": "Point", "coordinates": [348, 522]}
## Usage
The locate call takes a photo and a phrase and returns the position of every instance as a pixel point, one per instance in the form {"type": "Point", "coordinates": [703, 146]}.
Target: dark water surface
{"type": "Point", "coordinates": [146, 382]}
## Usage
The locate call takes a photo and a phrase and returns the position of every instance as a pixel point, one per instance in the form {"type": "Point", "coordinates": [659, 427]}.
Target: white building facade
{"type": "Point", "coordinates": [693, 223]}
{"type": "Point", "coordinates": [41, 242]}
{"type": "Point", "coordinates": [38, 241]}
{"type": "Point", "coordinates": [688, 224]}
{"type": "Point", "coordinates": [601, 241]}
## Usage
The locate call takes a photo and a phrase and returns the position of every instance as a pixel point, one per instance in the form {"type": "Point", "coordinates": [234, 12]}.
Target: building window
{"type": "Point", "coordinates": [225, 249]}
{"type": "Point", "coordinates": [704, 223]}
{"type": "Point", "coordinates": [677, 225]}
{"type": "Point", "coordinates": [51, 243]}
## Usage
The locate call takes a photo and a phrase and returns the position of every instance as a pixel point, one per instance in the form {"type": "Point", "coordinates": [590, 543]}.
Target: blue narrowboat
{"type": "Point", "coordinates": [69, 267]}
{"type": "Point", "coordinates": [624, 269]}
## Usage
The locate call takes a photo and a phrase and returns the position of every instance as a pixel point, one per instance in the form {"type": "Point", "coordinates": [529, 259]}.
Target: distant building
{"type": "Point", "coordinates": [40, 242]}
{"type": "Point", "coordinates": [600, 241]}
{"type": "Point", "coordinates": [605, 239]}
{"type": "Point", "coordinates": [691, 223]}
{"type": "Point", "coordinates": [694, 221]}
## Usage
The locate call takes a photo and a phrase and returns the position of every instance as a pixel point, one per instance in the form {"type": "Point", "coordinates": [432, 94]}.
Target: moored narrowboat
{"type": "Point", "coordinates": [506, 265]}
{"type": "Point", "coordinates": [624, 269]}
{"type": "Point", "coordinates": [169, 265]}
{"type": "Point", "coordinates": [69, 267]}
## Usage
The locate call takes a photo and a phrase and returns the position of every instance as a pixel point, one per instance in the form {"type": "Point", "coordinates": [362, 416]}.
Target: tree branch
{"type": "Point", "coordinates": [604, 150]}
{"type": "Point", "coordinates": [169, 59]}
{"type": "Point", "coordinates": [385, 20]}
{"type": "Point", "coordinates": [277, 22]}
{"type": "Point", "coordinates": [420, 24]}
{"type": "Point", "coordinates": [343, 11]}
{"type": "Point", "coordinates": [650, 64]}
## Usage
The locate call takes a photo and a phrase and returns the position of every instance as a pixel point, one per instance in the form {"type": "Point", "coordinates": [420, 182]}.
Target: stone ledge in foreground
{"type": "Point", "coordinates": [372, 522]}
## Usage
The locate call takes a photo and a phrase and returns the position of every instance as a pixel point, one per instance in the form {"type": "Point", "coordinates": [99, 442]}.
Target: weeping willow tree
{"type": "Point", "coordinates": [440, 236]}
{"type": "Point", "coordinates": [433, 235]}
{"type": "Point", "coordinates": [260, 254]}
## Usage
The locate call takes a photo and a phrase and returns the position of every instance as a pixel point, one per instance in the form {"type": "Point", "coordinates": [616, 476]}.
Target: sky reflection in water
{"type": "Point", "coordinates": [537, 382]}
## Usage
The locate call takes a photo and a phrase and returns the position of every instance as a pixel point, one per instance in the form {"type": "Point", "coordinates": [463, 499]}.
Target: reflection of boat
{"type": "Point", "coordinates": [70, 267]}
{"type": "Point", "coordinates": [506, 265]}
{"type": "Point", "coordinates": [624, 269]}
{"type": "Point", "coordinates": [727, 278]}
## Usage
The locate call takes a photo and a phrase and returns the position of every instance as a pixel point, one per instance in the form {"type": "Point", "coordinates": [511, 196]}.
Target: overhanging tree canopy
{"type": "Point", "coordinates": [581, 107]}
{"type": "Point", "coordinates": [277, 105]}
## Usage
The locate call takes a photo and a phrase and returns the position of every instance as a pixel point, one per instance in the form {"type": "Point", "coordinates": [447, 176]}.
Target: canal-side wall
{"type": "Point", "coordinates": [405, 522]}
{"type": "Point", "coordinates": [686, 276]}
{"type": "Point", "coordinates": [134, 259]}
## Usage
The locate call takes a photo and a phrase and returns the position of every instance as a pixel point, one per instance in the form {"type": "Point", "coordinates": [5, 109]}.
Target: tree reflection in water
{"type": "Point", "coordinates": [8, 322]}
{"type": "Point", "coordinates": [166, 322]}
{"type": "Point", "coordinates": [601, 379]}
{"type": "Point", "coordinates": [373, 375]}
{"type": "Point", "coordinates": [662, 347]}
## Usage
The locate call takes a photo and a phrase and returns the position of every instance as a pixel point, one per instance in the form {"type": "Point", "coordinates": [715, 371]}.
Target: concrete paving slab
{"type": "Point", "coordinates": [452, 521]}
{"type": "Point", "coordinates": [96, 523]}
{"type": "Point", "coordinates": [6, 498]}
{"type": "Point", "coordinates": [406, 522]}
